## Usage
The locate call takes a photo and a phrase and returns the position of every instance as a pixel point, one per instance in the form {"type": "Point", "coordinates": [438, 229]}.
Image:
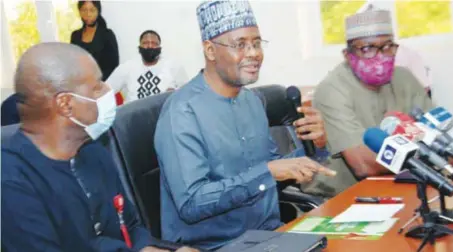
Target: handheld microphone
{"type": "Point", "coordinates": [422, 136]}
{"type": "Point", "coordinates": [293, 96]}
{"type": "Point", "coordinates": [397, 152]}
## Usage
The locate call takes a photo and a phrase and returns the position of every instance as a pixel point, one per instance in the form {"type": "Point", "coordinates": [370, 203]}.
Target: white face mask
{"type": "Point", "coordinates": [106, 105]}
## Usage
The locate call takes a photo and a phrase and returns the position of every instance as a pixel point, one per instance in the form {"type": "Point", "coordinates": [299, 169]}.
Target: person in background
{"type": "Point", "coordinates": [410, 59]}
{"type": "Point", "coordinates": [96, 37]}
{"type": "Point", "coordinates": [219, 164]}
{"type": "Point", "coordinates": [10, 115]}
{"type": "Point", "coordinates": [58, 182]}
{"type": "Point", "coordinates": [357, 94]}
{"type": "Point", "coordinates": [149, 74]}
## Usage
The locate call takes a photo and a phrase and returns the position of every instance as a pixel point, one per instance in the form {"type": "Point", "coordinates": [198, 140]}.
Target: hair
{"type": "Point", "coordinates": [100, 19]}
{"type": "Point", "coordinates": [150, 32]}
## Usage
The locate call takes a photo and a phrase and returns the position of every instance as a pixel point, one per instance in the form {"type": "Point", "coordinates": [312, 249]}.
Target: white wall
{"type": "Point", "coordinates": [177, 24]}
{"type": "Point", "coordinates": [294, 56]}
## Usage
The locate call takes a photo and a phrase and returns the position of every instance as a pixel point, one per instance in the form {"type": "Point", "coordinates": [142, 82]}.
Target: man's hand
{"type": "Point", "coordinates": [301, 169]}
{"type": "Point", "coordinates": [153, 249]}
{"type": "Point", "coordinates": [187, 249]}
{"type": "Point", "coordinates": [311, 127]}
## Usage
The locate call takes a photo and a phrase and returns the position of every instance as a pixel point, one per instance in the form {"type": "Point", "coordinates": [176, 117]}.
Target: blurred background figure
{"type": "Point", "coordinates": [149, 74]}
{"type": "Point", "coordinates": [413, 61]}
{"type": "Point", "coordinates": [97, 38]}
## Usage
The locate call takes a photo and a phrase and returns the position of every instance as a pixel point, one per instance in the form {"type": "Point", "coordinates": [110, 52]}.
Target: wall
{"type": "Point", "coordinates": [6, 55]}
{"type": "Point", "coordinates": [177, 24]}
{"type": "Point", "coordinates": [295, 55]}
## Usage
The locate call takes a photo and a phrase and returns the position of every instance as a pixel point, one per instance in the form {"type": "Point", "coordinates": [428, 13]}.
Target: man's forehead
{"type": "Point", "coordinates": [373, 40]}
{"type": "Point", "coordinates": [150, 36]}
{"type": "Point", "coordinates": [246, 33]}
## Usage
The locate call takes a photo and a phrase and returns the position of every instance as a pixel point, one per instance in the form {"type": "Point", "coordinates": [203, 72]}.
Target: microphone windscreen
{"type": "Point", "coordinates": [400, 115]}
{"type": "Point", "coordinates": [374, 138]}
{"type": "Point", "coordinates": [417, 113]}
{"type": "Point", "coordinates": [389, 124]}
{"type": "Point", "coordinates": [293, 94]}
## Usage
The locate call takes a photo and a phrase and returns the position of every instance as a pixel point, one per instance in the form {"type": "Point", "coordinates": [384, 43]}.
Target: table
{"type": "Point", "coordinates": [391, 241]}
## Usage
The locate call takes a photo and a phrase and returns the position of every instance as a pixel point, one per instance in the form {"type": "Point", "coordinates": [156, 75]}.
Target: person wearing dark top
{"type": "Point", "coordinates": [9, 110]}
{"type": "Point", "coordinates": [96, 38]}
{"type": "Point", "coordinates": [58, 183]}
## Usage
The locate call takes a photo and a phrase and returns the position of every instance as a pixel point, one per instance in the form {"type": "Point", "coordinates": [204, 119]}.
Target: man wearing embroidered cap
{"type": "Point", "coordinates": [357, 94]}
{"type": "Point", "coordinates": [218, 163]}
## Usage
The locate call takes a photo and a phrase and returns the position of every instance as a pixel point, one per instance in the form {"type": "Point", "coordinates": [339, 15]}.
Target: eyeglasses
{"type": "Point", "coordinates": [370, 51]}
{"type": "Point", "coordinates": [245, 46]}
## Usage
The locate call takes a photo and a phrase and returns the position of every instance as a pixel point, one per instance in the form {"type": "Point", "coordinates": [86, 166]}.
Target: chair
{"type": "Point", "coordinates": [8, 131]}
{"type": "Point", "coordinates": [131, 140]}
{"type": "Point", "coordinates": [10, 114]}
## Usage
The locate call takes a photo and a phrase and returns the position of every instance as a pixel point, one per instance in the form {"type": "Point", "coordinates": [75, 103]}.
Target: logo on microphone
{"type": "Point", "coordinates": [400, 140]}
{"type": "Point", "coordinates": [388, 154]}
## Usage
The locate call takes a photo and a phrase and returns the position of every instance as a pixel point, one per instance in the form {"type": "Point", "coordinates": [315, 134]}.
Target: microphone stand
{"type": "Point", "coordinates": [430, 230]}
{"type": "Point", "coordinates": [448, 213]}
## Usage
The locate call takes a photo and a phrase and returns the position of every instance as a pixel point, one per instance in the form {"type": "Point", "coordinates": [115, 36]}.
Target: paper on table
{"type": "Point", "coordinates": [322, 225]}
{"type": "Point", "coordinates": [368, 213]}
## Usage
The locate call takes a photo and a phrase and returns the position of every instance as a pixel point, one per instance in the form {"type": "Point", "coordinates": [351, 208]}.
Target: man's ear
{"type": "Point", "coordinates": [209, 50]}
{"type": "Point", "coordinates": [64, 103]}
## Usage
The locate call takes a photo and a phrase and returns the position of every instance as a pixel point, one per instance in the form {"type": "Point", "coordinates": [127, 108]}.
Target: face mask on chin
{"type": "Point", "coordinates": [149, 54]}
{"type": "Point", "coordinates": [106, 106]}
{"type": "Point", "coordinates": [376, 71]}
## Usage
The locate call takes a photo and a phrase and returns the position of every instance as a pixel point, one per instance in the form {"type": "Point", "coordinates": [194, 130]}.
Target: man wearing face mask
{"type": "Point", "coordinates": [58, 185]}
{"type": "Point", "coordinates": [219, 163]}
{"type": "Point", "coordinates": [357, 94]}
{"type": "Point", "coordinates": [148, 75]}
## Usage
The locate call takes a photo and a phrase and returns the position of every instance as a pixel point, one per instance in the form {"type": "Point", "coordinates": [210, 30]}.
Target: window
{"type": "Point", "coordinates": [22, 23]}
{"type": "Point", "coordinates": [333, 14]}
{"type": "Point", "coordinates": [413, 17]}
{"type": "Point", "coordinates": [67, 18]}
{"type": "Point", "coordinates": [416, 18]}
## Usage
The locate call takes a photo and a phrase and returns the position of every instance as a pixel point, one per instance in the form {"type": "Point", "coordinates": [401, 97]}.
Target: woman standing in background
{"type": "Point", "coordinates": [96, 38]}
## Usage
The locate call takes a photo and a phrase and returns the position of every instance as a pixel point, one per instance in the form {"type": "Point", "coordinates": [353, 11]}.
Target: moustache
{"type": "Point", "coordinates": [250, 63]}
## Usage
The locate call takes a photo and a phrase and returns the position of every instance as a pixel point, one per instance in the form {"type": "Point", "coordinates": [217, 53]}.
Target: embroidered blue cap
{"type": "Point", "coordinates": [216, 17]}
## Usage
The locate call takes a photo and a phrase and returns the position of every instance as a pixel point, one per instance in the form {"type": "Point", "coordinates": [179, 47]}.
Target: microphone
{"type": "Point", "coordinates": [396, 152]}
{"type": "Point", "coordinates": [442, 138]}
{"type": "Point", "coordinates": [293, 96]}
{"type": "Point", "coordinates": [396, 122]}
{"type": "Point", "coordinates": [437, 118]}
{"type": "Point", "coordinates": [420, 135]}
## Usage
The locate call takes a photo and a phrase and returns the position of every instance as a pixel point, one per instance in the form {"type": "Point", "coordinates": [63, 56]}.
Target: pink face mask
{"type": "Point", "coordinates": [376, 71]}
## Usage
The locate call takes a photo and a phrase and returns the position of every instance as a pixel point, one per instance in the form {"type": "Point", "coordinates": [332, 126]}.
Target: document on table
{"type": "Point", "coordinates": [368, 213]}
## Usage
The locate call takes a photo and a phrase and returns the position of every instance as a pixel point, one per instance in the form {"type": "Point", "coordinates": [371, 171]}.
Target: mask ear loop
{"type": "Point", "coordinates": [83, 98]}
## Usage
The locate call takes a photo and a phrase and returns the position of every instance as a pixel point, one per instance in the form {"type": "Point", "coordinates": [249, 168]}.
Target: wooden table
{"type": "Point", "coordinates": [391, 241]}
